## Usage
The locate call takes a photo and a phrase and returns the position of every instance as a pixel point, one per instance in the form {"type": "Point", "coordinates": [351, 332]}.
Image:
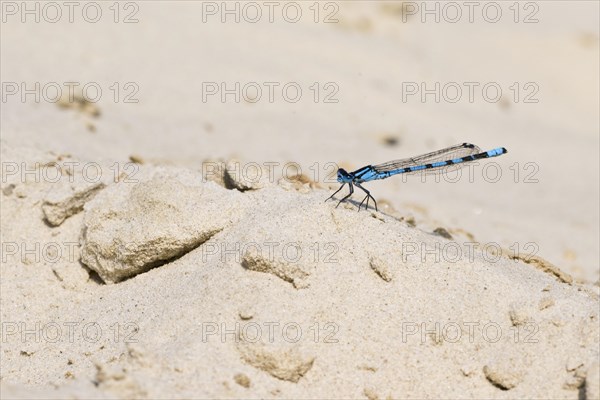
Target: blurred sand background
{"type": "Point", "coordinates": [372, 50]}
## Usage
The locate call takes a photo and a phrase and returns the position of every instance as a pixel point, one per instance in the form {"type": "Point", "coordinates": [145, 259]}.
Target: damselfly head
{"type": "Point", "coordinates": [343, 176]}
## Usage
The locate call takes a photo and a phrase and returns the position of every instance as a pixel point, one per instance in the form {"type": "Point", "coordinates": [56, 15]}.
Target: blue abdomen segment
{"type": "Point", "coordinates": [370, 173]}
{"type": "Point", "coordinates": [496, 152]}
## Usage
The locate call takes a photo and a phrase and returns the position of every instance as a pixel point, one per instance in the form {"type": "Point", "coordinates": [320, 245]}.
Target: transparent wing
{"type": "Point", "coordinates": [449, 153]}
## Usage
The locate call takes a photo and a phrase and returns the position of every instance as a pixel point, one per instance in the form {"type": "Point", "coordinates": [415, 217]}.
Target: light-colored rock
{"type": "Point", "coordinates": [519, 313]}
{"type": "Point", "coordinates": [381, 268]}
{"type": "Point", "coordinates": [246, 313]}
{"type": "Point", "coordinates": [546, 302]}
{"type": "Point", "coordinates": [64, 201]}
{"type": "Point", "coordinates": [133, 227]}
{"type": "Point", "coordinates": [576, 380]}
{"type": "Point", "coordinates": [285, 364]}
{"type": "Point", "coordinates": [573, 363]}
{"type": "Point", "coordinates": [370, 393]}
{"type": "Point", "coordinates": [294, 272]}
{"type": "Point", "coordinates": [504, 374]}
{"type": "Point", "coordinates": [242, 380]}
{"type": "Point", "coordinates": [246, 176]}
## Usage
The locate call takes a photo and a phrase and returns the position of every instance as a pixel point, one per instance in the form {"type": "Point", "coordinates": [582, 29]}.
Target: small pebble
{"type": "Point", "coordinates": [136, 159]}
{"type": "Point", "coordinates": [518, 314]}
{"type": "Point", "coordinates": [370, 393]}
{"type": "Point", "coordinates": [242, 380]}
{"type": "Point", "coordinates": [7, 191]}
{"type": "Point", "coordinates": [546, 302]}
{"type": "Point", "coordinates": [503, 376]}
{"type": "Point", "coordinates": [442, 232]}
{"type": "Point", "coordinates": [246, 314]}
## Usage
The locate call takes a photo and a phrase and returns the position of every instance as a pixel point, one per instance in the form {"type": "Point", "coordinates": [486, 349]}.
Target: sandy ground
{"type": "Point", "coordinates": [150, 268]}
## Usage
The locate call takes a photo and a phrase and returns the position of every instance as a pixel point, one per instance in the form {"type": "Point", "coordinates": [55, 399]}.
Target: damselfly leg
{"type": "Point", "coordinates": [366, 198]}
{"type": "Point", "coordinates": [341, 187]}
{"type": "Point", "coordinates": [349, 194]}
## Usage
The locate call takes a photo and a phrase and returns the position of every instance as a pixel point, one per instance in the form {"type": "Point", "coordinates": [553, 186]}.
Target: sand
{"type": "Point", "coordinates": [181, 247]}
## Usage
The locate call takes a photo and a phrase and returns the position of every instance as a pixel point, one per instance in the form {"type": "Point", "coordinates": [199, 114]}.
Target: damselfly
{"type": "Point", "coordinates": [430, 162]}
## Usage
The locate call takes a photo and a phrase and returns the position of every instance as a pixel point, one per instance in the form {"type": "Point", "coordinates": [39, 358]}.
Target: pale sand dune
{"type": "Point", "coordinates": [201, 260]}
{"type": "Point", "coordinates": [276, 290]}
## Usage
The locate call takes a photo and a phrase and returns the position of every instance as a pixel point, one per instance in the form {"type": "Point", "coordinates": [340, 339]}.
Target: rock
{"type": "Point", "coordinates": [468, 369]}
{"type": "Point", "coordinates": [287, 240]}
{"type": "Point", "coordinates": [370, 394]}
{"type": "Point", "coordinates": [575, 381]}
{"type": "Point", "coordinates": [576, 366]}
{"type": "Point", "coordinates": [300, 183]}
{"type": "Point", "coordinates": [213, 170]}
{"type": "Point", "coordinates": [64, 201]}
{"type": "Point", "coordinates": [573, 363]}
{"type": "Point", "coordinates": [242, 380]}
{"type": "Point", "coordinates": [285, 364]}
{"type": "Point", "coordinates": [443, 233]}
{"type": "Point", "coordinates": [518, 313]}
{"type": "Point", "coordinates": [546, 302]}
{"type": "Point", "coordinates": [381, 268]}
{"type": "Point", "coordinates": [134, 158]}
{"type": "Point", "coordinates": [79, 102]}
{"type": "Point", "coordinates": [246, 314]}
{"type": "Point", "coordinates": [246, 176]}
{"type": "Point", "coordinates": [504, 375]}
{"type": "Point", "coordinates": [77, 183]}
{"type": "Point", "coordinates": [130, 228]}
{"type": "Point", "coordinates": [8, 190]}
{"type": "Point", "coordinates": [294, 272]}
